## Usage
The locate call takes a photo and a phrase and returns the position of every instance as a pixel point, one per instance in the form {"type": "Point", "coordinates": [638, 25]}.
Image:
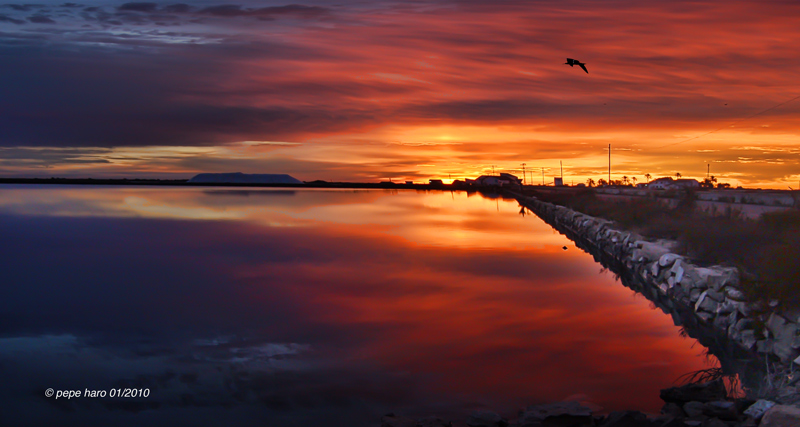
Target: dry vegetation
{"type": "Point", "coordinates": [766, 251]}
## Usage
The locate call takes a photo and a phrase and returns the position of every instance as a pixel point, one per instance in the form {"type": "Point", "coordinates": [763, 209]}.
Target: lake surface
{"type": "Point", "coordinates": [276, 307]}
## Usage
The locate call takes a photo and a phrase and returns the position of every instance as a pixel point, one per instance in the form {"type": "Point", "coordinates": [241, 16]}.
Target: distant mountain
{"type": "Point", "coordinates": [244, 178]}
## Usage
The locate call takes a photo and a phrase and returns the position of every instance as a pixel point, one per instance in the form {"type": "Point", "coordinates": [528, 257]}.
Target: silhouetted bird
{"type": "Point", "coordinates": [571, 62]}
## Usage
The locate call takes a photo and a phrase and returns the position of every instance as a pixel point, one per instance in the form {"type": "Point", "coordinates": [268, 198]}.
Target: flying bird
{"type": "Point", "coordinates": [571, 62]}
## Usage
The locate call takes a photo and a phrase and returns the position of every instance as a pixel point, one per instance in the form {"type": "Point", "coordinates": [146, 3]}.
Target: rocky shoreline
{"type": "Point", "coordinates": [692, 405]}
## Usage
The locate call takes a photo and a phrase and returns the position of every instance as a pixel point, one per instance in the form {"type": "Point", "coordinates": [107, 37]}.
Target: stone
{"type": "Point", "coordinates": [694, 295]}
{"type": "Point", "coordinates": [734, 294]}
{"type": "Point", "coordinates": [700, 392]}
{"type": "Point", "coordinates": [797, 361]}
{"type": "Point", "coordinates": [486, 419]}
{"type": "Point", "coordinates": [757, 410]}
{"type": "Point", "coordinates": [781, 416]}
{"type": "Point", "coordinates": [673, 409]}
{"type": "Point", "coordinates": [667, 422]}
{"type": "Point", "coordinates": [747, 338]}
{"type": "Point", "coordinates": [714, 422]}
{"type": "Point", "coordinates": [700, 300]}
{"type": "Point", "coordinates": [726, 307]}
{"type": "Point", "coordinates": [693, 409]}
{"type": "Point", "coordinates": [705, 317]}
{"type": "Point", "coordinates": [786, 337]}
{"type": "Point", "coordinates": [432, 422]}
{"type": "Point", "coordinates": [721, 409]}
{"type": "Point", "coordinates": [668, 259]}
{"type": "Point", "coordinates": [626, 419]}
{"type": "Point", "coordinates": [721, 322]}
{"type": "Point", "coordinates": [765, 346]}
{"type": "Point", "coordinates": [392, 420]}
{"type": "Point", "coordinates": [716, 296]}
{"type": "Point", "coordinates": [566, 414]}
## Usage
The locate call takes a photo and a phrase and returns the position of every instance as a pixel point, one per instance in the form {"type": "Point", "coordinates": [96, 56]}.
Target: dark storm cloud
{"type": "Point", "coordinates": [139, 7]}
{"type": "Point", "coordinates": [5, 18]}
{"type": "Point", "coordinates": [41, 19]}
{"type": "Point", "coordinates": [266, 12]}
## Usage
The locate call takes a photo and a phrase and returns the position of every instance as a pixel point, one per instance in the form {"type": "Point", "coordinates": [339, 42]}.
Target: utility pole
{"type": "Point", "coordinates": [609, 164]}
{"type": "Point", "coordinates": [562, 170]}
{"type": "Point", "coordinates": [523, 174]}
{"type": "Point", "coordinates": [542, 175]}
{"type": "Point", "coordinates": [492, 170]}
{"type": "Point", "coordinates": [708, 170]}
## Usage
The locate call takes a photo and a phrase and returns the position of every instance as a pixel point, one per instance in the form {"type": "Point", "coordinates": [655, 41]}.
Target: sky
{"type": "Point", "coordinates": [377, 90]}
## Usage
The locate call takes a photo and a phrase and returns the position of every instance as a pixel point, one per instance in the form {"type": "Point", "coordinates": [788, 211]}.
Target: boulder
{"type": "Point", "coordinates": [693, 409]}
{"type": "Point", "coordinates": [672, 409]}
{"type": "Point", "coordinates": [433, 422]}
{"type": "Point", "coordinates": [714, 422]}
{"type": "Point", "coordinates": [701, 392]}
{"type": "Point", "coordinates": [561, 414]}
{"type": "Point", "coordinates": [757, 410]}
{"type": "Point", "coordinates": [716, 296]}
{"type": "Point", "coordinates": [734, 293]}
{"type": "Point", "coordinates": [486, 419]}
{"type": "Point", "coordinates": [626, 419]}
{"type": "Point", "coordinates": [781, 416]}
{"type": "Point", "coordinates": [747, 338]}
{"type": "Point", "coordinates": [668, 259]}
{"type": "Point", "coordinates": [721, 409]}
{"type": "Point", "coordinates": [392, 420]}
{"type": "Point", "coordinates": [786, 336]}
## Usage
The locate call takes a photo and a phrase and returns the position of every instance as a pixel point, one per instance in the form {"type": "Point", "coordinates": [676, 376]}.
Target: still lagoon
{"type": "Point", "coordinates": [278, 307]}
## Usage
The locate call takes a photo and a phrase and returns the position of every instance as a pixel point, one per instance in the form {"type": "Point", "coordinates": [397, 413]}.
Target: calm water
{"type": "Point", "coordinates": [283, 308]}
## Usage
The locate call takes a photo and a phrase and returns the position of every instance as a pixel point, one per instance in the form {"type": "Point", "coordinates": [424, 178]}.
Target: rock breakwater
{"type": "Point", "coordinates": [707, 299]}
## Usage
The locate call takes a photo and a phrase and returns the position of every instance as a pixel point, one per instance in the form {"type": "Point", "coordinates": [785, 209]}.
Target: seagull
{"type": "Point", "coordinates": [572, 62]}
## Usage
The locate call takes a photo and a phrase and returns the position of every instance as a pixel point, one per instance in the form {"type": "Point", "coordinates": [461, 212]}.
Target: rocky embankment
{"type": "Point", "coordinates": [692, 405]}
{"type": "Point", "coordinates": [711, 295]}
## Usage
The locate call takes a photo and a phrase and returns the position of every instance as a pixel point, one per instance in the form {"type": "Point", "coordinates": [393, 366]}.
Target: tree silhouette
{"type": "Point", "coordinates": [602, 181]}
{"type": "Point", "coordinates": [678, 175]}
{"type": "Point", "coordinates": [590, 182]}
{"type": "Point", "coordinates": [625, 179]}
{"type": "Point", "coordinates": [648, 176]}
{"type": "Point", "coordinates": [633, 179]}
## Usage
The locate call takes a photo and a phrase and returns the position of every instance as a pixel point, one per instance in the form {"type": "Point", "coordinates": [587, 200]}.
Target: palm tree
{"type": "Point", "coordinates": [648, 176]}
{"type": "Point", "coordinates": [625, 179]}
{"type": "Point", "coordinates": [633, 179]}
{"type": "Point", "coordinates": [590, 182]}
{"type": "Point", "coordinates": [678, 175]}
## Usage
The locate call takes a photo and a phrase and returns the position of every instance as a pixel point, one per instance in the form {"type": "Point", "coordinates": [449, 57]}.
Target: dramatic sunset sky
{"type": "Point", "coordinates": [372, 90]}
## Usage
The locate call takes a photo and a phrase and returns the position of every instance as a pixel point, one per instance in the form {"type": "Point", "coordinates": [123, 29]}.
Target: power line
{"type": "Point", "coordinates": [731, 124]}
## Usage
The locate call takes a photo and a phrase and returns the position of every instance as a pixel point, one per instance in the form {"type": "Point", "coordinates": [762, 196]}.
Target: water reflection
{"type": "Point", "coordinates": [310, 308]}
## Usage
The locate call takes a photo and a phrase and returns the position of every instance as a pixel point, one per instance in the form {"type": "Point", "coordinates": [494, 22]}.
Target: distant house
{"type": "Point", "coordinates": [687, 183]}
{"type": "Point", "coordinates": [436, 182]}
{"type": "Point", "coordinates": [668, 183]}
{"type": "Point", "coordinates": [558, 182]}
{"type": "Point", "coordinates": [504, 180]}
{"type": "Point", "coordinates": [243, 178]}
{"type": "Point", "coordinates": [661, 184]}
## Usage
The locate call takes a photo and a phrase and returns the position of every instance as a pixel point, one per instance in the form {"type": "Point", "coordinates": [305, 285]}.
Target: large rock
{"type": "Point", "coordinates": [626, 419]}
{"type": "Point", "coordinates": [693, 409]}
{"type": "Point", "coordinates": [432, 422]}
{"type": "Point", "coordinates": [786, 336]}
{"type": "Point", "coordinates": [668, 259]}
{"type": "Point", "coordinates": [673, 410]}
{"type": "Point", "coordinates": [702, 392]}
{"type": "Point", "coordinates": [561, 414]}
{"type": "Point", "coordinates": [392, 420]}
{"type": "Point", "coordinates": [722, 409]}
{"type": "Point", "coordinates": [757, 410]}
{"type": "Point", "coordinates": [781, 416]}
{"type": "Point", "coordinates": [486, 419]}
